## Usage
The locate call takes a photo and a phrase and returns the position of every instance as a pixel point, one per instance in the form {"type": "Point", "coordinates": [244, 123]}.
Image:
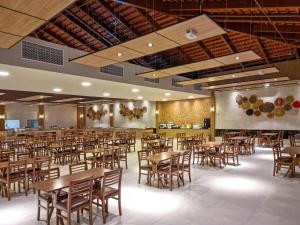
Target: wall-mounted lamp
{"type": "Point", "coordinates": [41, 116]}
{"type": "Point", "coordinates": [2, 117]}
{"type": "Point", "coordinates": [212, 108]}
{"type": "Point", "coordinates": [111, 114]}
{"type": "Point", "coordinates": [81, 116]}
{"type": "Point", "coordinates": [157, 112]}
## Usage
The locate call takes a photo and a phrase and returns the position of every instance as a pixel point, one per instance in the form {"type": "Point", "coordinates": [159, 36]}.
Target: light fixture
{"type": "Point", "coordinates": [154, 75]}
{"type": "Point", "coordinates": [86, 84]}
{"type": "Point", "coordinates": [81, 116]}
{"type": "Point", "coordinates": [191, 97]}
{"type": "Point", "coordinates": [233, 75]}
{"type": "Point", "coordinates": [119, 54]}
{"type": "Point", "coordinates": [57, 90]}
{"type": "Point", "coordinates": [275, 79]}
{"type": "Point", "coordinates": [139, 97]}
{"type": "Point", "coordinates": [212, 108]}
{"type": "Point", "coordinates": [149, 44]}
{"type": "Point", "coordinates": [164, 99]}
{"type": "Point", "coordinates": [267, 85]}
{"type": "Point", "coordinates": [135, 90]}
{"type": "Point", "coordinates": [211, 79]}
{"type": "Point", "coordinates": [111, 114]}
{"type": "Point", "coordinates": [237, 58]}
{"type": "Point", "coordinates": [2, 117]}
{"type": "Point", "coordinates": [157, 112]}
{"type": "Point", "coordinates": [167, 94]}
{"type": "Point", "coordinates": [260, 72]}
{"type": "Point", "coordinates": [191, 34]}
{"type": "Point", "coordinates": [247, 89]}
{"type": "Point", "coordinates": [41, 116]}
{"type": "Point", "coordinates": [106, 94]}
{"type": "Point", "coordinates": [4, 74]}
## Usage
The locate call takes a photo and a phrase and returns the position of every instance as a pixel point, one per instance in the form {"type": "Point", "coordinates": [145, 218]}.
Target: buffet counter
{"type": "Point", "coordinates": [171, 133]}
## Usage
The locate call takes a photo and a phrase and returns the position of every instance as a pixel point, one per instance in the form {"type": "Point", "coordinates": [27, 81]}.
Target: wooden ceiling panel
{"type": "Point", "coordinates": [8, 40]}
{"type": "Point", "coordinates": [258, 72]}
{"type": "Point", "coordinates": [154, 74]}
{"type": "Point", "coordinates": [238, 58]}
{"type": "Point", "coordinates": [202, 25]}
{"type": "Point", "coordinates": [206, 64]}
{"type": "Point", "coordinates": [278, 79]}
{"type": "Point", "coordinates": [176, 70]}
{"type": "Point", "coordinates": [17, 23]}
{"type": "Point", "coordinates": [119, 53]}
{"type": "Point", "coordinates": [38, 8]}
{"type": "Point", "coordinates": [159, 43]}
{"type": "Point", "coordinates": [94, 61]}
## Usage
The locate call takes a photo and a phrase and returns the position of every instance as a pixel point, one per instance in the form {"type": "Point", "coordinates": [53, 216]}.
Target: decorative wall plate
{"type": "Point", "coordinates": [257, 113]}
{"type": "Point", "coordinates": [296, 104]}
{"type": "Point", "coordinates": [279, 101]}
{"type": "Point", "coordinates": [245, 99]}
{"type": "Point", "coordinates": [239, 99]}
{"type": "Point", "coordinates": [287, 107]}
{"type": "Point", "coordinates": [289, 99]}
{"type": "Point", "coordinates": [249, 112]}
{"type": "Point", "coordinates": [279, 112]}
{"type": "Point", "coordinates": [270, 115]}
{"type": "Point", "coordinates": [266, 107]}
{"type": "Point", "coordinates": [245, 105]}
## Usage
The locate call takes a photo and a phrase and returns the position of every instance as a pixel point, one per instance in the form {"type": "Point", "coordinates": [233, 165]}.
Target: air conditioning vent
{"type": "Point", "coordinates": [42, 53]}
{"type": "Point", "coordinates": [152, 80]}
{"type": "Point", "coordinates": [174, 83]}
{"type": "Point", "coordinates": [113, 70]}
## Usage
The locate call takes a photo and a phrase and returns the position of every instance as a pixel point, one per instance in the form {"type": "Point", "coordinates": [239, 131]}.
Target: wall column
{"type": "Point", "coordinates": [213, 117]}
{"type": "Point", "coordinates": [111, 115]}
{"type": "Point", "coordinates": [2, 117]}
{"type": "Point", "coordinates": [41, 116]}
{"type": "Point", "coordinates": [81, 117]}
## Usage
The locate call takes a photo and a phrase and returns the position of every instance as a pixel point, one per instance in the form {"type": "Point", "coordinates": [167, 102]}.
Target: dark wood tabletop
{"type": "Point", "coordinates": [64, 181]}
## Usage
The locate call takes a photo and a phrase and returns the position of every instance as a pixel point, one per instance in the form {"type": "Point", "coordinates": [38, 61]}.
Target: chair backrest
{"type": "Point", "coordinates": [80, 188]}
{"type": "Point", "coordinates": [112, 179]}
{"type": "Point", "coordinates": [174, 162]}
{"type": "Point", "coordinates": [276, 151]}
{"type": "Point", "coordinates": [23, 156]}
{"type": "Point", "coordinates": [292, 140]}
{"type": "Point", "coordinates": [142, 155]}
{"type": "Point", "coordinates": [43, 163]}
{"type": "Point", "coordinates": [52, 173]}
{"type": "Point", "coordinates": [186, 157]}
{"type": "Point", "coordinates": [78, 167]}
{"type": "Point", "coordinates": [19, 167]}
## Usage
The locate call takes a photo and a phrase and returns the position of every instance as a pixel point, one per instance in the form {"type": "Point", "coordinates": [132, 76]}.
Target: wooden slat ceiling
{"type": "Point", "coordinates": [237, 84]}
{"type": "Point", "coordinates": [18, 18]}
{"type": "Point", "coordinates": [158, 41]}
{"type": "Point", "coordinates": [206, 64]}
{"type": "Point", "coordinates": [231, 76]}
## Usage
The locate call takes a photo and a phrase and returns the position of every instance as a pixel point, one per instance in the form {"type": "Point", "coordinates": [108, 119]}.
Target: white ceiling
{"type": "Point", "coordinates": [27, 79]}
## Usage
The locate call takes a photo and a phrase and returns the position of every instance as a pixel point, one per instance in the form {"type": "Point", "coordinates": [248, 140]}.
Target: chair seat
{"type": "Point", "coordinates": [284, 159]}
{"type": "Point", "coordinates": [76, 203]}
{"type": "Point", "coordinates": [48, 197]}
{"type": "Point", "coordinates": [109, 191]}
{"type": "Point", "coordinates": [165, 170]}
{"type": "Point", "coordinates": [146, 167]}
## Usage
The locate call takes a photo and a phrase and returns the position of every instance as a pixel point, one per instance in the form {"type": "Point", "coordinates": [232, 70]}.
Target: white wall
{"type": "Point", "coordinates": [148, 119]}
{"type": "Point", "coordinates": [103, 122]}
{"type": "Point", "coordinates": [22, 112]}
{"type": "Point", "coordinates": [63, 116]}
{"type": "Point", "coordinates": [230, 116]}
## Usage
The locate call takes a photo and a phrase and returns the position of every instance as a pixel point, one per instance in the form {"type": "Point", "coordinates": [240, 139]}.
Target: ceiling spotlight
{"type": "Point", "coordinates": [164, 99]}
{"type": "Point", "coordinates": [149, 44]}
{"type": "Point", "coordinates": [57, 90]}
{"type": "Point", "coordinates": [233, 75]}
{"type": "Point", "coordinates": [119, 54]}
{"type": "Point", "coordinates": [237, 58]}
{"type": "Point", "coordinates": [154, 75]}
{"type": "Point", "coordinates": [106, 94]}
{"type": "Point", "coordinates": [275, 79]}
{"type": "Point", "coordinates": [267, 85]}
{"type": "Point", "coordinates": [4, 74]}
{"type": "Point", "coordinates": [211, 79]}
{"type": "Point", "coordinates": [167, 94]}
{"type": "Point", "coordinates": [135, 90]}
{"type": "Point", "coordinates": [191, 97]}
{"type": "Point", "coordinates": [139, 97]}
{"type": "Point", "coordinates": [191, 34]}
{"type": "Point", "coordinates": [86, 84]}
{"type": "Point", "coordinates": [260, 72]}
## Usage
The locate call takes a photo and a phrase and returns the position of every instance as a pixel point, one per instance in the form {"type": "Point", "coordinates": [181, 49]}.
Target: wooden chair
{"type": "Point", "coordinates": [185, 165]}
{"type": "Point", "coordinates": [180, 139]}
{"type": "Point", "coordinates": [169, 144]}
{"type": "Point", "coordinates": [79, 197]}
{"type": "Point", "coordinates": [231, 152]}
{"type": "Point", "coordinates": [45, 200]}
{"type": "Point", "coordinates": [15, 173]}
{"type": "Point", "coordinates": [78, 167]}
{"type": "Point", "coordinates": [199, 153]}
{"type": "Point", "coordinates": [122, 155]}
{"type": "Point", "coordinates": [292, 140]}
{"type": "Point", "coordinates": [281, 161]}
{"type": "Point", "coordinates": [217, 155]}
{"type": "Point", "coordinates": [132, 140]}
{"type": "Point", "coordinates": [144, 167]}
{"type": "Point", "coordinates": [110, 188]}
{"type": "Point", "coordinates": [167, 173]}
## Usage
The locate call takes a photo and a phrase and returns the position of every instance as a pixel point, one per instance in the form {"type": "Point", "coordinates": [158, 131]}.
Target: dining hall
{"type": "Point", "coordinates": [153, 112]}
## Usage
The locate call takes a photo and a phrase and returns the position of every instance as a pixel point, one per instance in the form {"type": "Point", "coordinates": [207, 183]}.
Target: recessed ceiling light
{"type": "Point", "coordinates": [275, 79]}
{"type": "Point", "coordinates": [191, 97]}
{"type": "Point", "coordinates": [106, 94]}
{"type": "Point", "coordinates": [267, 85]}
{"type": "Point", "coordinates": [247, 89]}
{"type": "Point", "coordinates": [139, 97]}
{"type": "Point", "coordinates": [211, 79]}
{"type": "Point", "coordinates": [4, 74]}
{"type": "Point", "coordinates": [260, 72]}
{"type": "Point", "coordinates": [233, 75]}
{"type": "Point", "coordinates": [164, 99]}
{"type": "Point", "coordinates": [154, 75]}
{"type": "Point", "coordinates": [57, 89]}
{"type": "Point", "coordinates": [149, 44]}
{"type": "Point", "coordinates": [167, 94]}
{"type": "Point", "coordinates": [86, 84]}
{"type": "Point", "coordinates": [237, 58]}
{"type": "Point", "coordinates": [119, 54]}
{"type": "Point", "coordinates": [135, 90]}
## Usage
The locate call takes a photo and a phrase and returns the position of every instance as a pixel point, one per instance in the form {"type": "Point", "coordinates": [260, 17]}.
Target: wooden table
{"type": "Point", "coordinates": [4, 165]}
{"type": "Point", "coordinates": [159, 157]}
{"type": "Point", "coordinates": [208, 148]}
{"type": "Point", "coordinates": [232, 133]}
{"type": "Point", "coordinates": [211, 144]}
{"type": "Point", "coordinates": [292, 151]}
{"type": "Point", "coordinates": [269, 137]}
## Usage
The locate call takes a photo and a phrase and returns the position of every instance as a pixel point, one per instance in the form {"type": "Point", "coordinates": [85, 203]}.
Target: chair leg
{"type": "Point", "coordinates": [39, 210]}
{"type": "Point", "coordinates": [139, 176]}
{"type": "Point", "coordinates": [90, 215]}
{"type": "Point", "coordinates": [119, 205]}
{"type": "Point", "coordinates": [69, 220]}
{"type": "Point", "coordinates": [103, 211]}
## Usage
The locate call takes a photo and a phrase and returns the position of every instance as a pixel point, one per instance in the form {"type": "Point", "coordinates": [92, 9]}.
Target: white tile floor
{"type": "Point", "coordinates": [247, 194]}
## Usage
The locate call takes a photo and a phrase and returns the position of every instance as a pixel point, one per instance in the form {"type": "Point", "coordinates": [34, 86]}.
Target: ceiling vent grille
{"type": "Point", "coordinates": [42, 53]}
{"type": "Point", "coordinates": [175, 84]}
{"type": "Point", "coordinates": [113, 70]}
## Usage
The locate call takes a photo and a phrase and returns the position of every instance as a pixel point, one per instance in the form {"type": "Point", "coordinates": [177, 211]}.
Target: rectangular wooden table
{"type": "Point", "coordinates": [4, 165]}
{"type": "Point", "coordinates": [269, 137]}
{"type": "Point", "coordinates": [211, 144]}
